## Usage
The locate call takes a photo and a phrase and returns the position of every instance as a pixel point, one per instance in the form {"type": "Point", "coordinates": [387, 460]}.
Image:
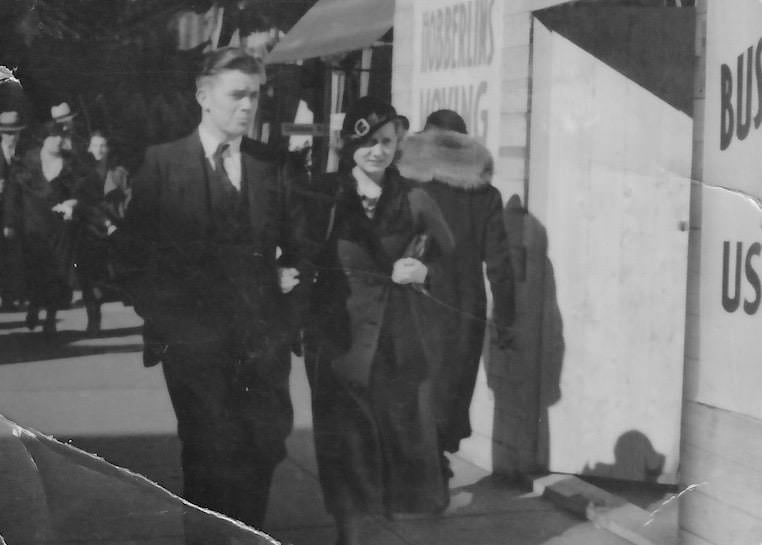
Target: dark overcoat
{"type": "Point", "coordinates": [11, 257]}
{"type": "Point", "coordinates": [201, 269]}
{"type": "Point", "coordinates": [354, 290]}
{"type": "Point", "coordinates": [373, 347]}
{"type": "Point", "coordinates": [190, 280]}
{"type": "Point", "coordinates": [48, 240]}
{"type": "Point", "coordinates": [457, 170]}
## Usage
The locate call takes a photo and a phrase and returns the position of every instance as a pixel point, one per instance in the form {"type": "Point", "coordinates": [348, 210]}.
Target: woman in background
{"type": "Point", "coordinates": [104, 198]}
{"type": "Point", "coordinates": [40, 202]}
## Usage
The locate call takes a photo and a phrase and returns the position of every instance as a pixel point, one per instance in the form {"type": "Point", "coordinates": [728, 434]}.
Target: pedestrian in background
{"type": "Point", "coordinates": [74, 142]}
{"type": "Point", "coordinates": [457, 171]}
{"type": "Point", "coordinates": [11, 258]}
{"type": "Point", "coordinates": [374, 342]}
{"type": "Point", "coordinates": [103, 207]}
{"type": "Point", "coordinates": [40, 203]}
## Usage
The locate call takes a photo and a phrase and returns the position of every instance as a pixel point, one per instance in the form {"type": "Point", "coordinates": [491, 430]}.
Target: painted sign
{"type": "Point", "coordinates": [457, 51]}
{"type": "Point", "coordinates": [728, 371]}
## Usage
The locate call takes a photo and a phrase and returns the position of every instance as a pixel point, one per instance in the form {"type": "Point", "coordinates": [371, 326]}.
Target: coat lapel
{"type": "Point", "coordinates": [259, 177]}
{"type": "Point", "coordinates": [191, 185]}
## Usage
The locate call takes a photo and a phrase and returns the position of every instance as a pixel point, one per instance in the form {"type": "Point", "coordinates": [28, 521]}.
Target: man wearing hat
{"type": "Point", "coordinates": [63, 116]}
{"type": "Point", "coordinates": [10, 253]}
{"type": "Point", "coordinates": [207, 214]}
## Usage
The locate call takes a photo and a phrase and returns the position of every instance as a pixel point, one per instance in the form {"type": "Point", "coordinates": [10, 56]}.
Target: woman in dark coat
{"type": "Point", "coordinates": [375, 343]}
{"type": "Point", "coordinates": [456, 171]}
{"type": "Point", "coordinates": [41, 201]}
{"type": "Point", "coordinates": [102, 202]}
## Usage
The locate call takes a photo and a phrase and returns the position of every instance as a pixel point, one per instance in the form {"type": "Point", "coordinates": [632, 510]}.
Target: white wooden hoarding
{"type": "Point", "coordinates": [609, 180]}
{"type": "Point", "coordinates": [728, 372]}
{"type": "Point", "coordinates": [457, 49]}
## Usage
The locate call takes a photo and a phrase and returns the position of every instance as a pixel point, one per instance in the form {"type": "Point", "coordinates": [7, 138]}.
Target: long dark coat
{"type": "Point", "coordinates": [11, 257]}
{"type": "Point", "coordinates": [374, 346]}
{"type": "Point", "coordinates": [94, 251]}
{"type": "Point", "coordinates": [48, 241]}
{"type": "Point", "coordinates": [189, 285]}
{"type": "Point", "coordinates": [202, 274]}
{"type": "Point", "coordinates": [458, 172]}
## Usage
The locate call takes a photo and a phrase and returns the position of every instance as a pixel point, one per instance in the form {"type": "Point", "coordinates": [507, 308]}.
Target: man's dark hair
{"type": "Point", "coordinates": [228, 58]}
{"type": "Point", "coordinates": [447, 120]}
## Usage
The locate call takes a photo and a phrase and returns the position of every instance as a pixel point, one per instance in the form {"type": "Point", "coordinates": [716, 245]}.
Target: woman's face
{"type": "Point", "coordinates": [98, 147]}
{"type": "Point", "coordinates": [375, 156]}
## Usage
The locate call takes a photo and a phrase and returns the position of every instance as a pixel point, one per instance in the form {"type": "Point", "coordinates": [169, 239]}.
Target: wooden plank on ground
{"type": "Point", "coordinates": [611, 512]}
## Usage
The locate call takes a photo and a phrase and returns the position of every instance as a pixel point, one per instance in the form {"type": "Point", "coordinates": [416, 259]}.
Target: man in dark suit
{"type": "Point", "coordinates": [208, 213]}
{"type": "Point", "coordinates": [11, 127]}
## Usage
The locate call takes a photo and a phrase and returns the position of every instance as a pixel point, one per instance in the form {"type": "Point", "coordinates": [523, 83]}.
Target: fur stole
{"type": "Point", "coordinates": [449, 157]}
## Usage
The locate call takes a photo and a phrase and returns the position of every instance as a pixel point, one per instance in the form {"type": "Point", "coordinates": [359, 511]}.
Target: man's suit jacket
{"type": "Point", "coordinates": [190, 282]}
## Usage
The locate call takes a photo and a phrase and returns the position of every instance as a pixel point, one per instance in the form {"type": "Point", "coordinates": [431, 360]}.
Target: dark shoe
{"type": "Point", "coordinates": [32, 319]}
{"type": "Point", "coordinates": [93, 319]}
{"type": "Point", "coordinates": [49, 327]}
{"type": "Point", "coordinates": [446, 468]}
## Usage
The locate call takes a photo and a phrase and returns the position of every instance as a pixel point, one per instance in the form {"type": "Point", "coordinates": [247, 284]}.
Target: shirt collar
{"type": "Point", "coordinates": [365, 186]}
{"type": "Point", "coordinates": [8, 149]}
{"type": "Point", "coordinates": [210, 143]}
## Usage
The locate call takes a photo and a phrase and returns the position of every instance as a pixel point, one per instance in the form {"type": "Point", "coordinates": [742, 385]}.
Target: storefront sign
{"type": "Point", "coordinates": [731, 230]}
{"type": "Point", "coordinates": [457, 52]}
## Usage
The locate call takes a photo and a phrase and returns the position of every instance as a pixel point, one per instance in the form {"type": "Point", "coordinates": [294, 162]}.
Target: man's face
{"type": "Point", "coordinates": [229, 101]}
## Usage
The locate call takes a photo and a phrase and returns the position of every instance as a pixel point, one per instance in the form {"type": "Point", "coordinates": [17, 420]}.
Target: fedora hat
{"type": "Point", "coordinates": [10, 122]}
{"type": "Point", "coordinates": [62, 113]}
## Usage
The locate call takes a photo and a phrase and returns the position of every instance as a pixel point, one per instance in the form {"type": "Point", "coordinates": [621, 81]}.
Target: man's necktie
{"type": "Point", "coordinates": [219, 164]}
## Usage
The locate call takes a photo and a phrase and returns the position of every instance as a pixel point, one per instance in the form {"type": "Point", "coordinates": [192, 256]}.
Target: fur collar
{"type": "Point", "coordinates": [455, 159]}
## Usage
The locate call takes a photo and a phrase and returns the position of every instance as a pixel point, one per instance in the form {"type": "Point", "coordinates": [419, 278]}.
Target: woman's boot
{"type": "Point", "coordinates": [93, 317]}
{"type": "Point", "coordinates": [32, 317]}
{"type": "Point", "coordinates": [49, 327]}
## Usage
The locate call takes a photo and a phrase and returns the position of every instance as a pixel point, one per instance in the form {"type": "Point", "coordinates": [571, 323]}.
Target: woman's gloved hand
{"type": "Point", "coordinates": [409, 270]}
{"type": "Point", "coordinates": [288, 278]}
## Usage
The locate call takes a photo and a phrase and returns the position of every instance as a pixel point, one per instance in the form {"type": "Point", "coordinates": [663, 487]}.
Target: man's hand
{"type": "Point", "coordinates": [409, 270]}
{"type": "Point", "coordinates": [66, 209]}
{"type": "Point", "coordinates": [288, 279]}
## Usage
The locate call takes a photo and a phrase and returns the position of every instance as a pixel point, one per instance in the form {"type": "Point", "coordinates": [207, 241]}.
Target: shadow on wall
{"type": "Point", "coordinates": [635, 459]}
{"type": "Point", "coordinates": [525, 379]}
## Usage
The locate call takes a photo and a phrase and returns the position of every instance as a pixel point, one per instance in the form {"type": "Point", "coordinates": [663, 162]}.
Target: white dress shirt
{"type": "Point", "coordinates": [8, 152]}
{"type": "Point", "coordinates": [368, 190]}
{"type": "Point", "coordinates": [231, 158]}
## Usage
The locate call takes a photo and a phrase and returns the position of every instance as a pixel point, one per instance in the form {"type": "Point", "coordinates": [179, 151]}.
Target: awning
{"type": "Point", "coordinates": [335, 26]}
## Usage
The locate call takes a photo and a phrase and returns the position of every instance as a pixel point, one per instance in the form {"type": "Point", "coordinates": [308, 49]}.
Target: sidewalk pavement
{"type": "Point", "coordinates": [94, 393]}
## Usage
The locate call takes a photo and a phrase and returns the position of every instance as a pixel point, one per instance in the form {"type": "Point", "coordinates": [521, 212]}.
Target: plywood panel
{"type": "Point", "coordinates": [609, 180]}
{"type": "Point", "coordinates": [721, 456]}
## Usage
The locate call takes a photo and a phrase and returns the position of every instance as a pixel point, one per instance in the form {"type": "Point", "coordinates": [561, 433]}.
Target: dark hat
{"type": "Point", "coordinates": [366, 116]}
{"type": "Point", "coordinates": [446, 119]}
{"type": "Point", "coordinates": [10, 122]}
